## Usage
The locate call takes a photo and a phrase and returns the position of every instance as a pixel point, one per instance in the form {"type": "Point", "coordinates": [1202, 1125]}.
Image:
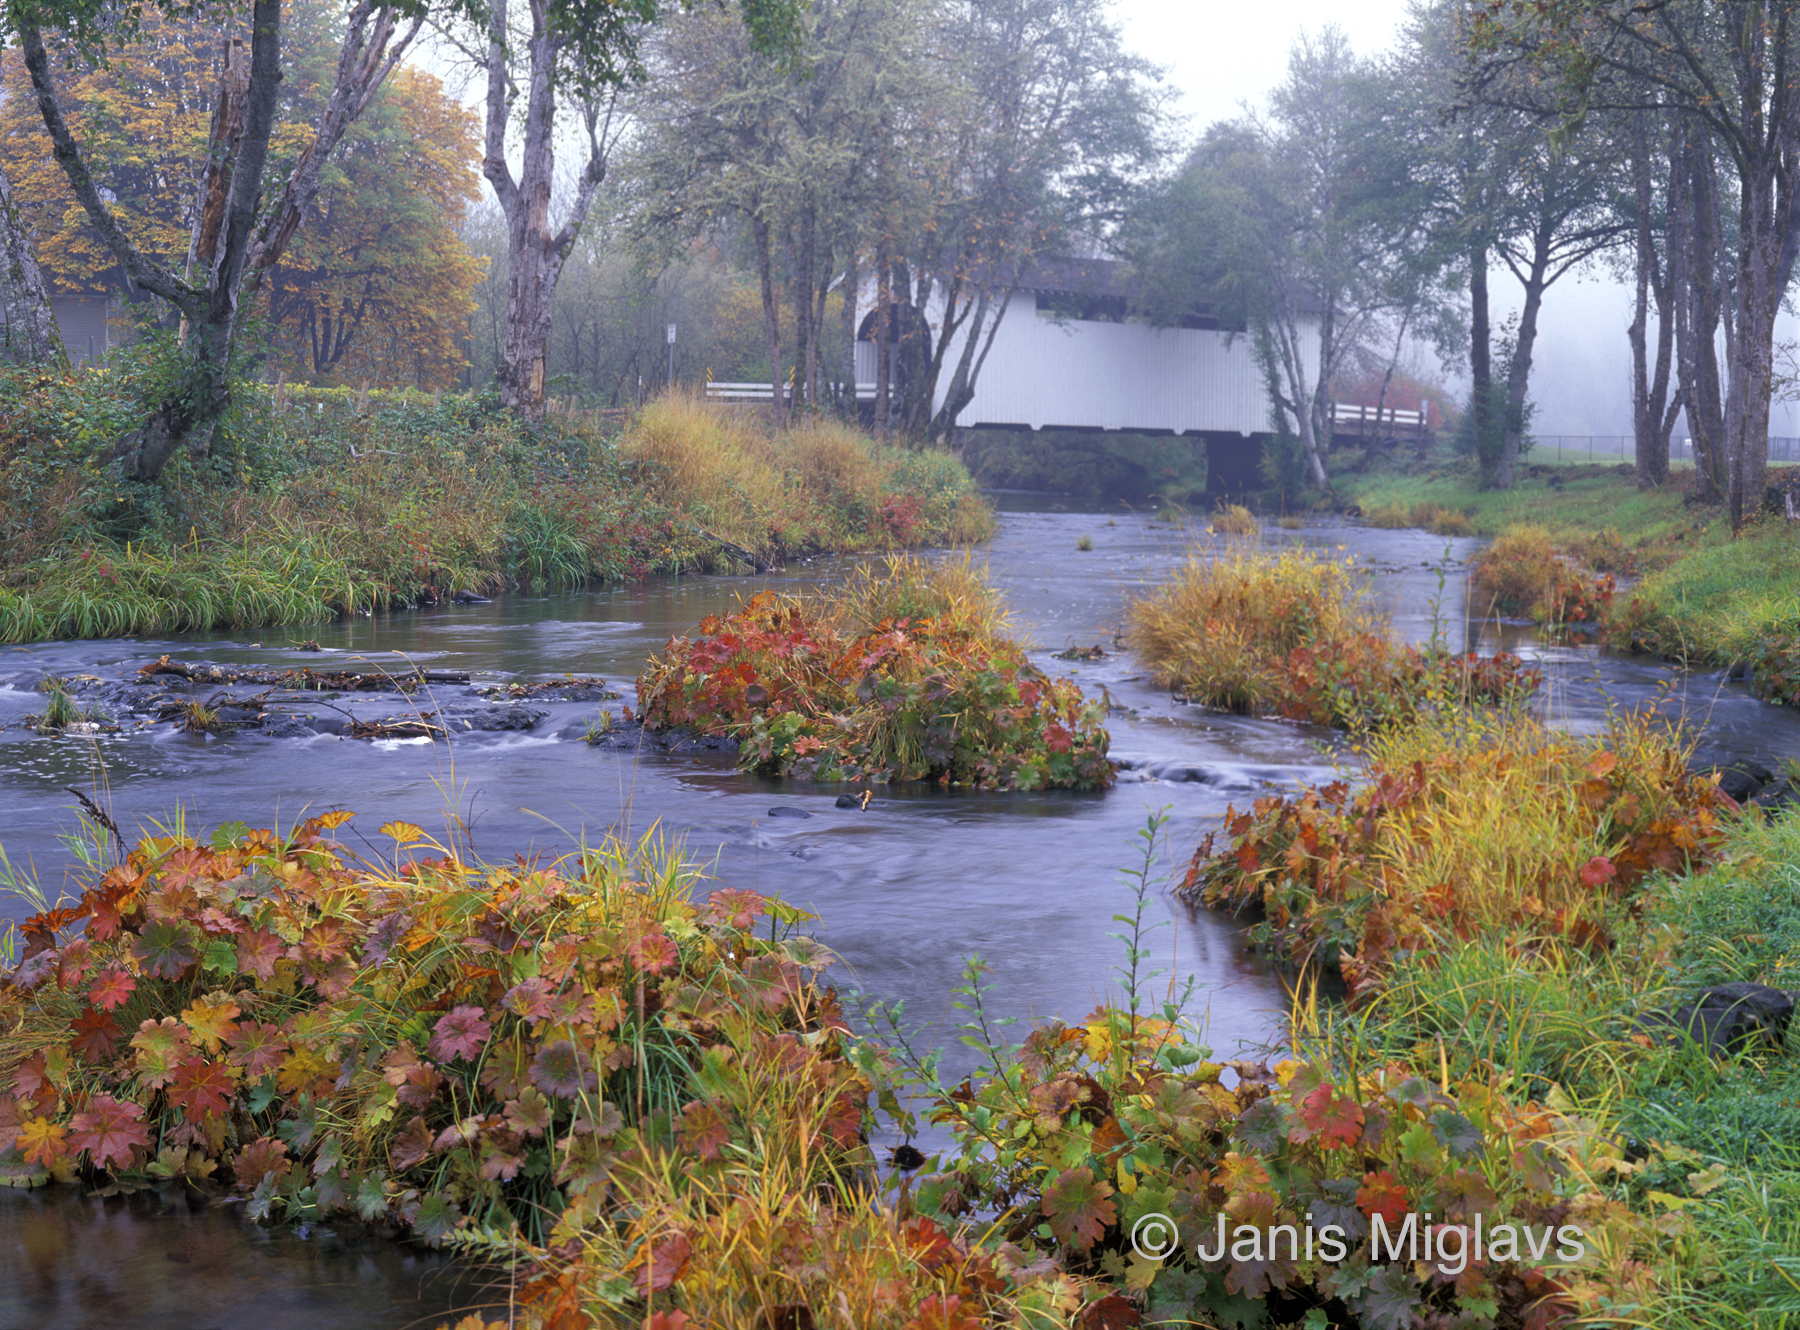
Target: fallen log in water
{"type": "Point", "coordinates": [321, 681]}
{"type": "Point", "coordinates": [416, 728]}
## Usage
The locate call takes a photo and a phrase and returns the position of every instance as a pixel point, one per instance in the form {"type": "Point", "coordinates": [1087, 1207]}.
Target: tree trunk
{"type": "Point", "coordinates": [534, 253]}
{"type": "Point", "coordinates": [186, 416]}
{"type": "Point", "coordinates": [1694, 291]}
{"type": "Point", "coordinates": [1484, 405]}
{"type": "Point", "coordinates": [1652, 414]}
{"type": "Point", "coordinates": [1762, 278]}
{"type": "Point", "coordinates": [884, 349]}
{"type": "Point", "coordinates": [31, 331]}
{"type": "Point", "coordinates": [1518, 370]}
{"type": "Point", "coordinates": [771, 305]}
{"type": "Point", "coordinates": [852, 293]}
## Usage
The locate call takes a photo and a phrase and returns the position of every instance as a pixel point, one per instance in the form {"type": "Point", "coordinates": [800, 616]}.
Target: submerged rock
{"type": "Point", "coordinates": [782, 810]}
{"type": "Point", "coordinates": [1740, 777]}
{"type": "Point", "coordinates": [1729, 1018]}
{"type": "Point", "coordinates": [632, 736]}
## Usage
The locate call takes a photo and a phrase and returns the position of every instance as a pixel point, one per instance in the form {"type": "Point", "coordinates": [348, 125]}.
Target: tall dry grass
{"type": "Point", "coordinates": [1222, 629]}
{"type": "Point", "coordinates": [814, 485]}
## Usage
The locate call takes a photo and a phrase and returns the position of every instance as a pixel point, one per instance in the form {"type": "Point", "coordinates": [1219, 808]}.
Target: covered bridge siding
{"type": "Point", "coordinates": [1066, 358]}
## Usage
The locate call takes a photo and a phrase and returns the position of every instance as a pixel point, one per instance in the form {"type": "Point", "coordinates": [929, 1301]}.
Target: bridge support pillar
{"type": "Point", "coordinates": [1233, 465]}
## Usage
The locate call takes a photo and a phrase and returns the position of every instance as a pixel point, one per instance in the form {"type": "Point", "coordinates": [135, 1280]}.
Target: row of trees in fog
{"type": "Point", "coordinates": [1381, 197]}
{"type": "Point", "coordinates": [738, 171]}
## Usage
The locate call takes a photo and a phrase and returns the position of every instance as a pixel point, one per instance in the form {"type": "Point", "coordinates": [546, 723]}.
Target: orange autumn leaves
{"type": "Point", "coordinates": [1501, 826]}
{"type": "Point", "coordinates": [255, 1007]}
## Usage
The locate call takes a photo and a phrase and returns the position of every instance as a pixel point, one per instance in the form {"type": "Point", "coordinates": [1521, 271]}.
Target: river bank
{"type": "Point", "coordinates": [1689, 591]}
{"type": "Point", "coordinates": [314, 504]}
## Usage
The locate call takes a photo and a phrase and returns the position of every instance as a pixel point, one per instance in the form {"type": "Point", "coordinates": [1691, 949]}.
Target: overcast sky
{"type": "Point", "coordinates": [1222, 53]}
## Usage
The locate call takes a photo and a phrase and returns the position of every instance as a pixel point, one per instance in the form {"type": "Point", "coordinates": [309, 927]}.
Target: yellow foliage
{"type": "Point", "coordinates": [376, 285]}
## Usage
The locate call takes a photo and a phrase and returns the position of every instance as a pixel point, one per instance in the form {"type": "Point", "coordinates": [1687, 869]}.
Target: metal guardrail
{"type": "Point", "coordinates": [1781, 448]}
{"type": "Point", "coordinates": [763, 392]}
{"type": "Point", "coordinates": [1387, 417]}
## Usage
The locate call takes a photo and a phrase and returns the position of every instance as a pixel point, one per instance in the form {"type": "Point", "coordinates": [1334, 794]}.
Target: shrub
{"type": "Point", "coordinates": [1521, 573]}
{"type": "Point", "coordinates": [904, 674]}
{"type": "Point", "coordinates": [1441, 520]}
{"type": "Point", "coordinates": [423, 1039]}
{"type": "Point", "coordinates": [1233, 519]}
{"type": "Point", "coordinates": [1468, 824]}
{"type": "Point", "coordinates": [1293, 633]}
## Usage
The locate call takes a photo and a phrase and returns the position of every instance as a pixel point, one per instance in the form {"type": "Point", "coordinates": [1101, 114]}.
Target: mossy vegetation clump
{"type": "Point", "coordinates": [1523, 573]}
{"type": "Point", "coordinates": [1293, 634]}
{"type": "Point", "coordinates": [314, 503]}
{"type": "Point", "coordinates": [1467, 823]}
{"type": "Point", "coordinates": [907, 672]}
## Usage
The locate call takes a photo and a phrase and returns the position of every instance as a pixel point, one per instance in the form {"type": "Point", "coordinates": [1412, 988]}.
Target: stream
{"type": "Point", "coordinates": [904, 890]}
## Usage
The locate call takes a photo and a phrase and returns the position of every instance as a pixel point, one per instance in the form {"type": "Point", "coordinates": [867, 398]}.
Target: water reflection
{"type": "Point", "coordinates": [145, 1262]}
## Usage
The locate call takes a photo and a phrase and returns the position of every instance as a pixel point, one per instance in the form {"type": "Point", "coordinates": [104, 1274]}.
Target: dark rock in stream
{"type": "Point", "coordinates": [1740, 777]}
{"type": "Point", "coordinates": [1777, 797]}
{"type": "Point", "coordinates": [462, 720]}
{"type": "Point", "coordinates": [630, 736]}
{"type": "Point", "coordinates": [1729, 1018]}
{"type": "Point", "coordinates": [782, 810]}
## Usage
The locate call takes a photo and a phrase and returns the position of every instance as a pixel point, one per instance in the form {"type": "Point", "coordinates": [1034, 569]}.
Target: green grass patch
{"type": "Point", "coordinates": [315, 503]}
{"type": "Point", "coordinates": [1572, 502]}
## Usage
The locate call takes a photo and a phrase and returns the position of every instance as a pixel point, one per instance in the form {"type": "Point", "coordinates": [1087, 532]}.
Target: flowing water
{"type": "Point", "coordinates": [904, 890]}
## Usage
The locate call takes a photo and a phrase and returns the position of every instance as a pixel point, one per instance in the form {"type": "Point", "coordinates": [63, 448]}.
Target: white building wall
{"type": "Point", "coordinates": [85, 324]}
{"type": "Point", "coordinates": [1075, 374]}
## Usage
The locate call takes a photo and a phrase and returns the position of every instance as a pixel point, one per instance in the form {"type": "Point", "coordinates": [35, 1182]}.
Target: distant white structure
{"type": "Point", "coordinates": [1066, 357]}
{"type": "Point", "coordinates": [86, 324]}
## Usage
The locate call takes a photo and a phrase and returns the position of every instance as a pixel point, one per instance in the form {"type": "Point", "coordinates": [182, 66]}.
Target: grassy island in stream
{"type": "Point", "coordinates": [906, 672]}
{"type": "Point", "coordinates": [316, 503]}
{"type": "Point", "coordinates": [1292, 634]}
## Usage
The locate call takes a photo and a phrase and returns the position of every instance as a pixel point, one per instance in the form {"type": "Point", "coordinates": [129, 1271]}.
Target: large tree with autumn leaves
{"type": "Point", "coordinates": [238, 232]}
{"type": "Point", "coordinates": [376, 285]}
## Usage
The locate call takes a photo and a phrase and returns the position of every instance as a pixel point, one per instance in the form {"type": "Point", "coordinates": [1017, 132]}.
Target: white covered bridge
{"type": "Point", "coordinates": [1068, 356]}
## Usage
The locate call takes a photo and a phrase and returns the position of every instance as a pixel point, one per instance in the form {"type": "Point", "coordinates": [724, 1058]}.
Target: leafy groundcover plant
{"type": "Point", "coordinates": [904, 674]}
{"type": "Point", "coordinates": [1470, 823]}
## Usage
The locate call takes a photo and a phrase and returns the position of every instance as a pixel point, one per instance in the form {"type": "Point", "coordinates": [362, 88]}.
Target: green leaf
{"type": "Point", "coordinates": [1392, 1299]}
{"type": "Point", "coordinates": [227, 834]}
{"type": "Point", "coordinates": [1419, 1147]}
{"type": "Point", "coordinates": [369, 1196]}
{"type": "Point", "coordinates": [1457, 1134]}
{"type": "Point", "coordinates": [436, 1219]}
{"type": "Point", "coordinates": [261, 1095]}
{"type": "Point", "coordinates": [262, 1200]}
{"type": "Point", "coordinates": [220, 957]}
{"type": "Point", "coordinates": [166, 948]}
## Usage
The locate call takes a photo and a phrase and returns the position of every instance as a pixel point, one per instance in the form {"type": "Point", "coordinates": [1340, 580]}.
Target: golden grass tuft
{"type": "Point", "coordinates": [814, 485]}
{"type": "Point", "coordinates": [1233, 519]}
{"type": "Point", "coordinates": [1389, 516]}
{"type": "Point", "coordinates": [1441, 520]}
{"type": "Point", "coordinates": [1220, 631]}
